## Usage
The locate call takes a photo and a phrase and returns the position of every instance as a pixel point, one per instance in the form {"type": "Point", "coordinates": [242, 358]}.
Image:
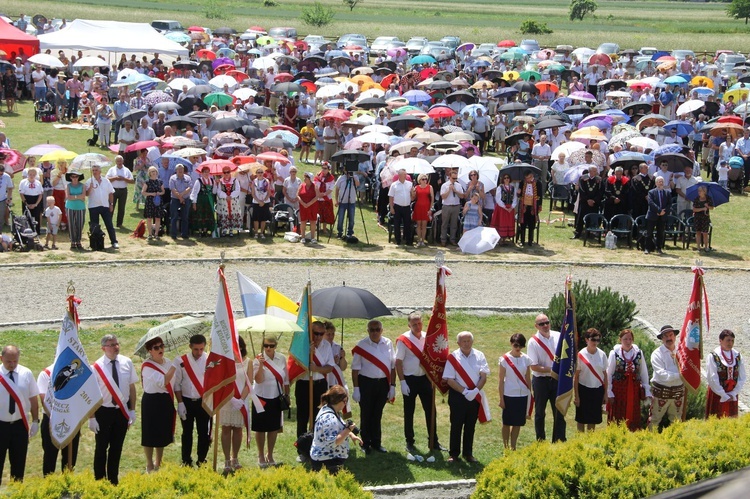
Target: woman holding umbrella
{"type": "Point", "coordinates": [153, 189]}
{"type": "Point", "coordinates": [701, 217]}
{"type": "Point", "coordinates": [157, 403]}
{"type": "Point", "coordinates": [140, 172]}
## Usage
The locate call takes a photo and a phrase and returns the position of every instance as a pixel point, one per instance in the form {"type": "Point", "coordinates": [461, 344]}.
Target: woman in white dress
{"type": "Point", "coordinates": [514, 388]}
{"type": "Point", "coordinates": [157, 404]}
{"type": "Point", "coordinates": [231, 417]}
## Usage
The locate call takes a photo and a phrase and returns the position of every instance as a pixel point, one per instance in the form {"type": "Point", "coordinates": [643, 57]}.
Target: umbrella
{"type": "Point", "coordinates": [227, 137]}
{"type": "Point", "coordinates": [652, 120]}
{"type": "Point", "coordinates": [285, 135]}
{"type": "Point", "coordinates": [518, 171]}
{"type": "Point", "coordinates": [345, 156]}
{"type": "Point", "coordinates": [583, 96]}
{"type": "Point", "coordinates": [623, 137]}
{"type": "Point", "coordinates": [228, 149]}
{"type": "Point", "coordinates": [428, 137]}
{"type": "Point", "coordinates": [416, 96]}
{"type": "Point", "coordinates": [462, 136]}
{"type": "Point", "coordinates": [577, 109]}
{"type": "Point", "coordinates": [629, 159]}
{"type": "Point", "coordinates": [602, 59]}
{"type": "Point", "coordinates": [675, 80]}
{"type": "Point", "coordinates": [200, 89]}
{"type": "Point", "coordinates": [166, 106]}
{"type": "Point", "coordinates": [58, 155]}
{"type": "Point", "coordinates": [404, 122]}
{"type": "Point", "coordinates": [370, 103]}
{"type": "Point", "coordinates": [261, 111]}
{"type": "Point", "coordinates": [216, 166]}
{"type": "Point", "coordinates": [47, 60]}
{"type": "Point", "coordinates": [174, 333]}
{"type": "Point", "coordinates": [86, 161]}
{"type": "Point", "coordinates": [579, 157]}
{"type": "Point", "coordinates": [644, 142]}
{"type": "Point", "coordinates": [178, 83]}
{"type": "Point", "coordinates": [42, 149]}
{"type": "Point", "coordinates": [440, 111]}
{"type": "Point", "coordinates": [505, 92]}
{"type": "Point", "coordinates": [188, 152]}
{"type": "Point", "coordinates": [677, 162]}
{"type": "Point", "coordinates": [574, 173]}
{"type": "Point", "coordinates": [219, 99]}
{"type": "Point", "coordinates": [684, 128]}
{"type": "Point", "coordinates": [276, 143]}
{"type": "Point", "coordinates": [720, 129]}
{"type": "Point", "coordinates": [617, 84]}
{"type": "Point", "coordinates": [478, 240]}
{"type": "Point", "coordinates": [405, 146]}
{"type": "Point", "coordinates": [485, 167]}
{"type": "Point", "coordinates": [225, 124]}
{"type": "Point", "coordinates": [567, 148]}
{"type": "Point", "coordinates": [265, 323]}
{"type": "Point", "coordinates": [718, 194]}
{"type": "Point", "coordinates": [136, 146]}
{"type": "Point", "coordinates": [525, 86]}
{"type": "Point", "coordinates": [690, 106]}
{"type": "Point", "coordinates": [414, 166]}
{"type": "Point", "coordinates": [422, 59]}
{"type": "Point", "coordinates": [273, 156]}
{"type": "Point", "coordinates": [512, 107]}
{"type": "Point", "coordinates": [549, 123]}
{"type": "Point", "coordinates": [512, 139]}
{"type": "Point", "coordinates": [463, 95]}
{"type": "Point", "coordinates": [219, 81]}
{"type": "Point", "coordinates": [587, 133]}
{"type": "Point", "coordinates": [346, 302]}
{"type": "Point", "coordinates": [287, 86]}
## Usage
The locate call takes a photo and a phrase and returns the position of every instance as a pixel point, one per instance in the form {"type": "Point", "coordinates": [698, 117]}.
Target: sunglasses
{"type": "Point", "coordinates": [318, 334]}
{"type": "Point", "coordinates": [596, 339]}
{"type": "Point", "coordinates": [516, 345]}
{"type": "Point", "coordinates": [268, 346]}
{"type": "Point", "coordinates": [157, 347]}
{"type": "Point", "coordinates": [544, 323]}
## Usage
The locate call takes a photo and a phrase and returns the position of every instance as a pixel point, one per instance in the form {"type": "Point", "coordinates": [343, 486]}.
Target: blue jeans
{"type": "Point", "coordinates": [347, 209]}
{"type": "Point", "coordinates": [40, 93]}
{"type": "Point", "coordinates": [179, 211]}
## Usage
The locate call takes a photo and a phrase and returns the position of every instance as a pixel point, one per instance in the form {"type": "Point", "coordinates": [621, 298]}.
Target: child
{"type": "Point", "coordinates": [472, 213]}
{"type": "Point", "coordinates": [723, 170]}
{"type": "Point", "coordinates": [6, 242]}
{"type": "Point", "coordinates": [53, 214]}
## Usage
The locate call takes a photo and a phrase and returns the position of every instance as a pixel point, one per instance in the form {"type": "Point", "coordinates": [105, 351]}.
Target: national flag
{"type": "Point", "coordinates": [279, 305]}
{"type": "Point", "coordinates": [435, 352]}
{"type": "Point", "coordinates": [690, 349]}
{"type": "Point", "coordinates": [566, 353]}
{"type": "Point", "coordinates": [253, 296]}
{"type": "Point", "coordinates": [221, 369]}
{"type": "Point", "coordinates": [73, 394]}
{"type": "Point", "coordinates": [298, 361]}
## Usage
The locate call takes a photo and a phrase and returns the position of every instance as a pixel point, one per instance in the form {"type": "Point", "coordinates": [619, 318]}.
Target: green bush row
{"type": "Point", "coordinates": [616, 463]}
{"type": "Point", "coordinates": [173, 482]}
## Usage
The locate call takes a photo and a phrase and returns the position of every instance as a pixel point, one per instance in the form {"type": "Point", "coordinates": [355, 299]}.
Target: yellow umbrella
{"type": "Point", "coordinates": [737, 93]}
{"type": "Point", "coordinates": [482, 84]}
{"type": "Point", "coordinates": [667, 65]}
{"type": "Point", "coordinates": [361, 79]}
{"type": "Point", "coordinates": [589, 133]}
{"type": "Point", "coordinates": [702, 81]}
{"type": "Point", "coordinates": [59, 155]}
{"type": "Point", "coordinates": [369, 85]}
{"type": "Point", "coordinates": [511, 75]}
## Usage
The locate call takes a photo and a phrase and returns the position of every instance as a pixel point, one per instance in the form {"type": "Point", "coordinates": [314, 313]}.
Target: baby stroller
{"type": "Point", "coordinates": [25, 232]}
{"type": "Point", "coordinates": [43, 111]}
{"type": "Point", "coordinates": [736, 174]}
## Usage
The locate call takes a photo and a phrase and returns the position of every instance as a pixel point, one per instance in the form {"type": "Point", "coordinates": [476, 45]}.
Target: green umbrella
{"type": "Point", "coordinates": [422, 59]}
{"type": "Point", "coordinates": [264, 40]}
{"type": "Point", "coordinates": [177, 37]}
{"type": "Point", "coordinates": [174, 333]}
{"type": "Point", "coordinates": [403, 109]}
{"type": "Point", "coordinates": [511, 56]}
{"type": "Point", "coordinates": [527, 75]}
{"type": "Point", "coordinates": [555, 67]}
{"type": "Point", "coordinates": [219, 98]}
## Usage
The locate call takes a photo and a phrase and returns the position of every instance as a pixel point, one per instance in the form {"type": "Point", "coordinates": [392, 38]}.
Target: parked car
{"type": "Point", "coordinates": [488, 49]}
{"type": "Point", "coordinates": [164, 26]}
{"type": "Point", "coordinates": [283, 33]}
{"type": "Point", "coordinates": [730, 61]}
{"type": "Point", "coordinates": [530, 46]}
{"type": "Point", "coordinates": [415, 44]}
{"type": "Point", "coordinates": [648, 51]}
{"type": "Point", "coordinates": [451, 41]}
{"type": "Point", "coordinates": [380, 45]}
{"type": "Point", "coordinates": [720, 52]}
{"type": "Point", "coordinates": [353, 39]}
{"type": "Point", "coordinates": [316, 42]}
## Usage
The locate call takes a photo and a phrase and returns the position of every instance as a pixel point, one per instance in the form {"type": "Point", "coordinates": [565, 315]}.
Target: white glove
{"type": "Point", "coordinates": [131, 420]}
{"type": "Point", "coordinates": [34, 430]}
{"type": "Point", "coordinates": [355, 394]}
{"type": "Point", "coordinates": [471, 394]}
{"type": "Point", "coordinates": [237, 404]}
{"type": "Point", "coordinates": [182, 411]}
{"type": "Point", "coordinates": [94, 425]}
{"type": "Point", "coordinates": [404, 388]}
{"type": "Point", "coordinates": [392, 393]}
{"type": "Point", "coordinates": [724, 398]}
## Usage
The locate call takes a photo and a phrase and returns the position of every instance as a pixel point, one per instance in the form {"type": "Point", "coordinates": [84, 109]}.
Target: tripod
{"type": "Point", "coordinates": [346, 195]}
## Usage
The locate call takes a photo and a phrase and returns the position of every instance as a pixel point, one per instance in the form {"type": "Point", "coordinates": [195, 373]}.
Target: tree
{"type": "Point", "coordinates": [317, 15]}
{"type": "Point", "coordinates": [739, 9]}
{"type": "Point", "coordinates": [351, 4]}
{"type": "Point", "coordinates": [579, 8]}
{"type": "Point", "coordinates": [532, 27]}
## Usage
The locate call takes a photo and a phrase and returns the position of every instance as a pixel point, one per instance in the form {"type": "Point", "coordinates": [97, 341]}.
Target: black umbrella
{"type": "Point", "coordinates": [569, 73]}
{"type": "Point", "coordinates": [525, 86]}
{"type": "Point", "coordinates": [371, 103]}
{"type": "Point", "coordinates": [389, 64]}
{"type": "Point", "coordinates": [312, 62]}
{"type": "Point", "coordinates": [181, 122]}
{"type": "Point", "coordinates": [677, 162]}
{"type": "Point", "coordinates": [224, 31]}
{"type": "Point", "coordinates": [463, 95]}
{"type": "Point", "coordinates": [199, 90]}
{"type": "Point", "coordinates": [383, 71]}
{"type": "Point", "coordinates": [492, 74]}
{"type": "Point", "coordinates": [511, 140]}
{"type": "Point", "coordinates": [403, 122]}
{"type": "Point", "coordinates": [744, 79]}
{"type": "Point", "coordinates": [188, 104]}
{"type": "Point", "coordinates": [629, 52]}
{"type": "Point", "coordinates": [261, 111]}
{"type": "Point", "coordinates": [134, 116]}
{"type": "Point", "coordinates": [577, 109]}
{"type": "Point", "coordinates": [603, 107]}
{"type": "Point", "coordinates": [185, 65]}
{"type": "Point", "coordinates": [199, 115]}
{"type": "Point", "coordinates": [349, 155]}
{"type": "Point", "coordinates": [304, 75]}
{"type": "Point", "coordinates": [277, 143]}
{"type": "Point", "coordinates": [711, 109]}
{"type": "Point", "coordinates": [518, 171]}
{"type": "Point", "coordinates": [252, 132]}
{"type": "Point", "coordinates": [637, 107]}
{"type": "Point", "coordinates": [549, 123]}
{"type": "Point", "coordinates": [166, 106]}
{"type": "Point", "coordinates": [609, 82]}
{"type": "Point", "coordinates": [225, 124]}
{"type": "Point", "coordinates": [443, 75]}
{"type": "Point", "coordinates": [287, 86]}
{"type": "Point", "coordinates": [512, 107]}
{"type": "Point", "coordinates": [505, 92]}
{"type": "Point", "coordinates": [343, 302]}
{"type": "Point", "coordinates": [439, 85]}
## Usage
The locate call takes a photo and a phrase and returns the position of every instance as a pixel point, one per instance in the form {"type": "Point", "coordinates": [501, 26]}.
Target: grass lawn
{"type": "Point", "coordinates": [632, 24]}
{"type": "Point", "coordinates": [491, 336]}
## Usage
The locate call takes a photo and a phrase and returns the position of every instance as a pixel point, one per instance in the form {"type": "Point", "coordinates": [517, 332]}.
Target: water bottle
{"type": "Point", "coordinates": [610, 241]}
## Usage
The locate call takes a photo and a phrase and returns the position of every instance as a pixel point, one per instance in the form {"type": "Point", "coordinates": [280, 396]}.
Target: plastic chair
{"type": "Point", "coordinates": [673, 228]}
{"type": "Point", "coordinates": [558, 194]}
{"type": "Point", "coordinates": [594, 224]}
{"type": "Point", "coordinates": [622, 226]}
{"type": "Point", "coordinates": [641, 233]}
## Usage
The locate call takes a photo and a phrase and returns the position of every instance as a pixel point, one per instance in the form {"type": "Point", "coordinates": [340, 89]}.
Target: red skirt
{"type": "Point", "coordinates": [719, 409]}
{"type": "Point", "coordinates": [325, 209]}
{"type": "Point", "coordinates": [627, 404]}
{"type": "Point", "coordinates": [59, 196]}
{"type": "Point", "coordinates": [504, 222]}
{"type": "Point", "coordinates": [308, 214]}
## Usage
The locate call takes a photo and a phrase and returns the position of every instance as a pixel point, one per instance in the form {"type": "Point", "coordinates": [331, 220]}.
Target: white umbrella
{"type": "Point", "coordinates": [46, 60]}
{"type": "Point", "coordinates": [573, 173]}
{"type": "Point", "coordinates": [221, 80]}
{"type": "Point", "coordinates": [478, 240]}
{"type": "Point", "coordinates": [378, 129]}
{"type": "Point", "coordinates": [459, 137]}
{"type": "Point", "coordinates": [568, 148]}
{"type": "Point", "coordinates": [86, 161]}
{"type": "Point", "coordinates": [264, 63]}
{"type": "Point", "coordinates": [450, 161]}
{"type": "Point", "coordinates": [405, 146]}
{"type": "Point", "coordinates": [374, 138]}
{"type": "Point", "coordinates": [265, 323]}
{"type": "Point", "coordinates": [90, 62]}
{"type": "Point", "coordinates": [372, 93]}
{"type": "Point", "coordinates": [690, 106]}
{"type": "Point", "coordinates": [414, 166]}
{"type": "Point", "coordinates": [178, 83]}
{"type": "Point", "coordinates": [189, 151]}
{"type": "Point", "coordinates": [330, 91]}
{"type": "Point", "coordinates": [486, 168]}
{"type": "Point", "coordinates": [644, 142]}
{"type": "Point", "coordinates": [244, 93]}
{"type": "Point", "coordinates": [618, 94]}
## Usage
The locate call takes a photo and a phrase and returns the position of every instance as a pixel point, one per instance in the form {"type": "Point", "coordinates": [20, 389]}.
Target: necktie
{"type": "Point", "coordinates": [661, 200]}
{"type": "Point", "coordinates": [11, 400]}
{"type": "Point", "coordinates": [115, 376]}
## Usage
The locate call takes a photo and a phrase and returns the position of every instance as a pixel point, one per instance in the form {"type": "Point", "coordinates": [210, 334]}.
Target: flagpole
{"type": "Point", "coordinates": [71, 311]}
{"type": "Point", "coordinates": [310, 421]}
{"type": "Point", "coordinates": [215, 418]}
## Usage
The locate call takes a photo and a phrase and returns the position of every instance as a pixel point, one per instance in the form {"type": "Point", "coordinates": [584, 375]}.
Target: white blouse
{"type": "Point", "coordinates": [153, 380]}
{"type": "Point", "coordinates": [269, 388]}
{"type": "Point", "coordinates": [28, 189]}
{"type": "Point", "coordinates": [513, 386]}
{"type": "Point", "coordinates": [598, 361]}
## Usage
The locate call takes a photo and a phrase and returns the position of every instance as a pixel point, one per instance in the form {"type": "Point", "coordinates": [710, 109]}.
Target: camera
{"type": "Point", "coordinates": [350, 424]}
{"type": "Point", "coordinates": [351, 166]}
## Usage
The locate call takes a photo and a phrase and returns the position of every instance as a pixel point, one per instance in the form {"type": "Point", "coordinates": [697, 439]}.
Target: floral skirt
{"type": "Point", "coordinates": [229, 213]}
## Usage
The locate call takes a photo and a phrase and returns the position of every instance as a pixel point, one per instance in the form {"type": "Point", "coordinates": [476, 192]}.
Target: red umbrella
{"type": "Point", "coordinates": [137, 146]}
{"type": "Point", "coordinates": [272, 156]}
{"type": "Point", "coordinates": [216, 166]}
{"type": "Point", "coordinates": [441, 112]}
{"type": "Point", "coordinates": [602, 59]}
{"type": "Point", "coordinates": [427, 73]}
{"type": "Point", "coordinates": [666, 58]}
{"type": "Point", "coordinates": [731, 119]}
{"type": "Point", "coordinates": [506, 43]}
{"type": "Point", "coordinates": [386, 81]}
{"type": "Point", "coordinates": [237, 75]}
{"type": "Point", "coordinates": [283, 77]}
{"type": "Point", "coordinates": [223, 69]}
{"type": "Point", "coordinates": [309, 86]}
{"type": "Point", "coordinates": [337, 114]}
{"type": "Point", "coordinates": [13, 159]}
{"type": "Point", "coordinates": [206, 54]}
{"type": "Point", "coordinates": [284, 127]}
{"type": "Point", "coordinates": [547, 86]}
{"type": "Point", "coordinates": [196, 29]}
{"type": "Point", "coordinates": [302, 45]}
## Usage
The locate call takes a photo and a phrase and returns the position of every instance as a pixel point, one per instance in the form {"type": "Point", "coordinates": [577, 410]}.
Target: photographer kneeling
{"type": "Point", "coordinates": [330, 446]}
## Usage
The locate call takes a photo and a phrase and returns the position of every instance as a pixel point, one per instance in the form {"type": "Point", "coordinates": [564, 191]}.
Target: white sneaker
{"type": "Point", "coordinates": [313, 241]}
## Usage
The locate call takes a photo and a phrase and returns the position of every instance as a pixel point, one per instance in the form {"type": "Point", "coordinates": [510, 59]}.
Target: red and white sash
{"type": "Point", "coordinates": [484, 406]}
{"type": "Point", "coordinates": [12, 392]}
{"type": "Point", "coordinates": [192, 376]}
{"type": "Point", "coordinates": [373, 360]}
{"type": "Point", "coordinates": [591, 368]}
{"type": "Point", "coordinates": [156, 367]}
{"type": "Point", "coordinates": [544, 347]}
{"type": "Point", "coordinates": [113, 390]}
{"type": "Point", "coordinates": [530, 398]}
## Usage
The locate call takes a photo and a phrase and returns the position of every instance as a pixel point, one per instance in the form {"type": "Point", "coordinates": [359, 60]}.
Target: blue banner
{"type": "Point", "coordinates": [566, 354]}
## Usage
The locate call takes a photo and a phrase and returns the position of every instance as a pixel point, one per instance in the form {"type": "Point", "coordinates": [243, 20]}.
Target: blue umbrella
{"type": "Point", "coordinates": [684, 128]}
{"type": "Point", "coordinates": [472, 109]}
{"type": "Point", "coordinates": [331, 54]}
{"type": "Point", "coordinates": [675, 80]}
{"type": "Point", "coordinates": [422, 59]}
{"type": "Point", "coordinates": [333, 104]}
{"type": "Point", "coordinates": [561, 103]}
{"type": "Point", "coordinates": [416, 96]}
{"type": "Point", "coordinates": [176, 160]}
{"type": "Point", "coordinates": [736, 162]}
{"type": "Point", "coordinates": [660, 53]}
{"type": "Point", "coordinates": [718, 194]}
{"type": "Point", "coordinates": [702, 91]}
{"type": "Point", "coordinates": [480, 64]}
{"type": "Point", "coordinates": [668, 149]}
{"type": "Point", "coordinates": [505, 92]}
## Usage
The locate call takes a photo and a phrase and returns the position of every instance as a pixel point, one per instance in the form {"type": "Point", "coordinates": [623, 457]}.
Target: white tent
{"type": "Point", "coordinates": [110, 36]}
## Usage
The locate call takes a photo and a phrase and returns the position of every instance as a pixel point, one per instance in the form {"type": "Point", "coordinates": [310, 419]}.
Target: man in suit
{"type": "Point", "coordinates": [658, 202]}
{"type": "Point", "coordinates": [590, 192]}
{"type": "Point", "coordinates": [640, 185]}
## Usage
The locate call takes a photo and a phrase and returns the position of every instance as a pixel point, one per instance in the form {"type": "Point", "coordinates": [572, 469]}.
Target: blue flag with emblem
{"type": "Point", "coordinates": [566, 353]}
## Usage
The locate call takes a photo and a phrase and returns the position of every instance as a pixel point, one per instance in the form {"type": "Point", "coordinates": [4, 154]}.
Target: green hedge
{"type": "Point", "coordinates": [173, 482]}
{"type": "Point", "coordinates": [616, 463]}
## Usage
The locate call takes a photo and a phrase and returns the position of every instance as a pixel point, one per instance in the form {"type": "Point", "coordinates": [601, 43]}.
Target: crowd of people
{"type": "Point", "coordinates": [283, 103]}
{"type": "Point", "coordinates": [616, 385]}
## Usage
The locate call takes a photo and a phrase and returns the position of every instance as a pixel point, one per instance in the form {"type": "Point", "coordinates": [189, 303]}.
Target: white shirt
{"type": "Point", "coordinates": [543, 150]}
{"type": "Point", "coordinates": [126, 376]}
{"type": "Point", "coordinates": [400, 192]}
{"type": "Point", "coordinates": [630, 356]}
{"type": "Point", "coordinates": [664, 364]}
{"type": "Point", "coordinates": [452, 199]}
{"type": "Point", "coordinates": [324, 354]}
{"type": "Point", "coordinates": [411, 364]}
{"type": "Point", "coordinates": [100, 193]}
{"type": "Point", "coordinates": [513, 386]}
{"type": "Point", "coordinates": [182, 382]}
{"type": "Point", "coordinates": [126, 135]}
{"type": "Point", "coordinates": [269, 388]}
{"type": "Point", "coordinates": [537, 354]}
{"type": "Point", "coordinates": [119, 172]}
{"type": "Point", "coordinates": [26, 189]}
{"type": "Point", "coordinates": [153, 380]}
{"type": "Point", "coordinates": [42, 385]}
{"type": "Point", "coordinates": [382, 350]}
{"type": "Point", "coordinates": [474, 364]}
{"type": "Point", "coordinates": [291, 190]}
{"type": "Point", "coordinates": [53, 215]}
{"type": "Point", "coordinates": [146, 133]}
{"type": "Point", "coordinates": [729, 359]}
{"type": "Point", "coordinates": [25, 387]}
{"type": "Point", "coordinates": [598, 361]}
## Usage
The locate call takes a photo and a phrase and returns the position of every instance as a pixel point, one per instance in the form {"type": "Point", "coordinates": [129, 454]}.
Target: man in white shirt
{"type": "Point", "coordinates": [399, 195]}
{"type": "Point", "coordinates": [101, 201]}
{"type": "Point", "coordinates": [541, 350]}
{"type": "Point", "coordinates": [540, 153]}
{"type": "Point", "coordinates": [39, 77]}
{"type": "Point", "coordinates": [120, 177]}
{"type": "Point", "coordinates": [188, 386]}
{"type": "Point", "coordinates": [681, 185]}
{"type": "Point", "coordinates": [117, 378]}
{"type": "Point", "coordinates": [647, 96]}
{"type": "Point", "coordinates": [666, 383]}
{"type": "Point", "coordinates": [451, 192]}
{"type": "Point", "coordinates": [144, 131]}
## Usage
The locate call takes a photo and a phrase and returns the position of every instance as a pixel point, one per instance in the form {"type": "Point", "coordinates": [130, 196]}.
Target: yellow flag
{"type": "Point", "coordinates": [279, 305]}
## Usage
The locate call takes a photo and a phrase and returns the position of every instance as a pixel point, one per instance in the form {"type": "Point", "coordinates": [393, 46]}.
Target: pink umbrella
{"type": "Point", "coordinates": [42, 149]}
{"type": "Point", "coordinates": [137, 146]}
{"type": "Point", "coordinates": [545, 54]}
{"type": "Point", "coordinates": [12, 158]}
{"type": "Point", "coordinates": [222, 61]}
{"type": "Point", "coordinates": [583, 96]}
{"type": "Point", "coordinates": [396, 52]}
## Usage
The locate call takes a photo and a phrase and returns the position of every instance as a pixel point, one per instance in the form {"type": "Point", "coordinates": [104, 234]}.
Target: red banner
{"type": "Point", "coordinates": [435, 352]}
{"type": "Point", "coordinates": [690, 349]}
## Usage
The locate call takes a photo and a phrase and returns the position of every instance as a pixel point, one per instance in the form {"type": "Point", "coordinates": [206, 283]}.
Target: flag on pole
{"type": "Point", "coordinates": [73, 394]}
{"type": "Point", "coordinates": [221, 371]}
{"type": "Point", "coordinates": [566, 353]}
{"type": "Point", "coordinates": [253, 296]}
{"type": "Point", "coordinates": [298, 361]}
{"type": "Point", "coordinates": [690, 349]}
{"type": "Point", "coordinates": [279, 305]}
{"type": "Point", "coordinates": [435, 352]}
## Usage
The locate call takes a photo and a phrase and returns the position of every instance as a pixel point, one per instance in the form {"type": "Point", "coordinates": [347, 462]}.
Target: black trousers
{"type": "Point", "coordinates": [333, 465]}
{"type": "Point", "coordinates": [14, 442]}
{"type": "Point", "coordinates": [402, 215]}
{"type": "Point", "coordinates": [113, 426]}
{"type": "Point", "coordinates": [49, 460]}
{"type": "Point", "coordinates": [103, 211]}
{"type": "Point", "coordinates": [747, 172]}
{"type": "Point", "coordinates": [659, 224]}
{"type": "Point", "coordinates": [528, 225]}
{"type": "Point", "coordinates": [199, 419]}
{"type": "Point", "coordinates": [166, 202]}
{"type": "Point", "coordinates": [545, 391]}
{"type": "Point", "coordinates": [464, 415]}
{"type": "Point", "coordinates": [302, 401]}
{"type": "Point", "coordinates": [373, 396]}
{"type": "Point", "coordinates": [420, 386]}
{"type": "Point", "coordinates": [120, 199]}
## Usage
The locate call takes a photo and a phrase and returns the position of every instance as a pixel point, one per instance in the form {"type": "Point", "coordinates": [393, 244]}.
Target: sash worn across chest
{"type": "Point", "coordinates": [191, 375]}
{"type": "Point", "coordinates": [113, 390]}
{"type": "Point", "coordinates": [12, 391]}
{"type": "Point", "coordinates": [373, 360]}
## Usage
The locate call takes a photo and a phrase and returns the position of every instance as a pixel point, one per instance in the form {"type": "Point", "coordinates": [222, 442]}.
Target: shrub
{"type": "Point", "coordinates": [173, 482]}
{"type": "Point", "coordinates": [532, 27]}
{"type": "Point", "coordinates": [602, 309]}
{"type": "Point", "coordinates": [579, 9]}
{"type": "Point", "coordinates": [317, 15]}
{"type": "Point", "coordinates": [617, 463]}
{"type": "Point", "coordinates": [270, 3]}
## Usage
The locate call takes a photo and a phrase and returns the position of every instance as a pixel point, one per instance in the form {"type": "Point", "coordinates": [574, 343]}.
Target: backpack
{"type": "Point", "coordinates": [96, 238]}
{"type": "Point", "coordinates": [140, 230]}
{"type": "Point", "coordinates": [304, 444]}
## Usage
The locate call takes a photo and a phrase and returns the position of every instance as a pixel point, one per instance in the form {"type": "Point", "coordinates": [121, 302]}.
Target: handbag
{"type": "Point", "coordinates": [157, 200]}
{"type": "Point", "coordinates": [284, 402]}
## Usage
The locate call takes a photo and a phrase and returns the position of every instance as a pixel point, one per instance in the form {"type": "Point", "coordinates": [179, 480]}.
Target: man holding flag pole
{"type": "Point", "coordinates": [564, 365]}
{"type": "Point", "coordinates": [541, 350]}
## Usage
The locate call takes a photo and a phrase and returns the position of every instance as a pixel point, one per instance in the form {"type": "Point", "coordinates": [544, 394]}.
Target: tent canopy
{"type": "Point", "coordinates": [13, 40]}
{"type": "Point", "coordinates": [110, 36]}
